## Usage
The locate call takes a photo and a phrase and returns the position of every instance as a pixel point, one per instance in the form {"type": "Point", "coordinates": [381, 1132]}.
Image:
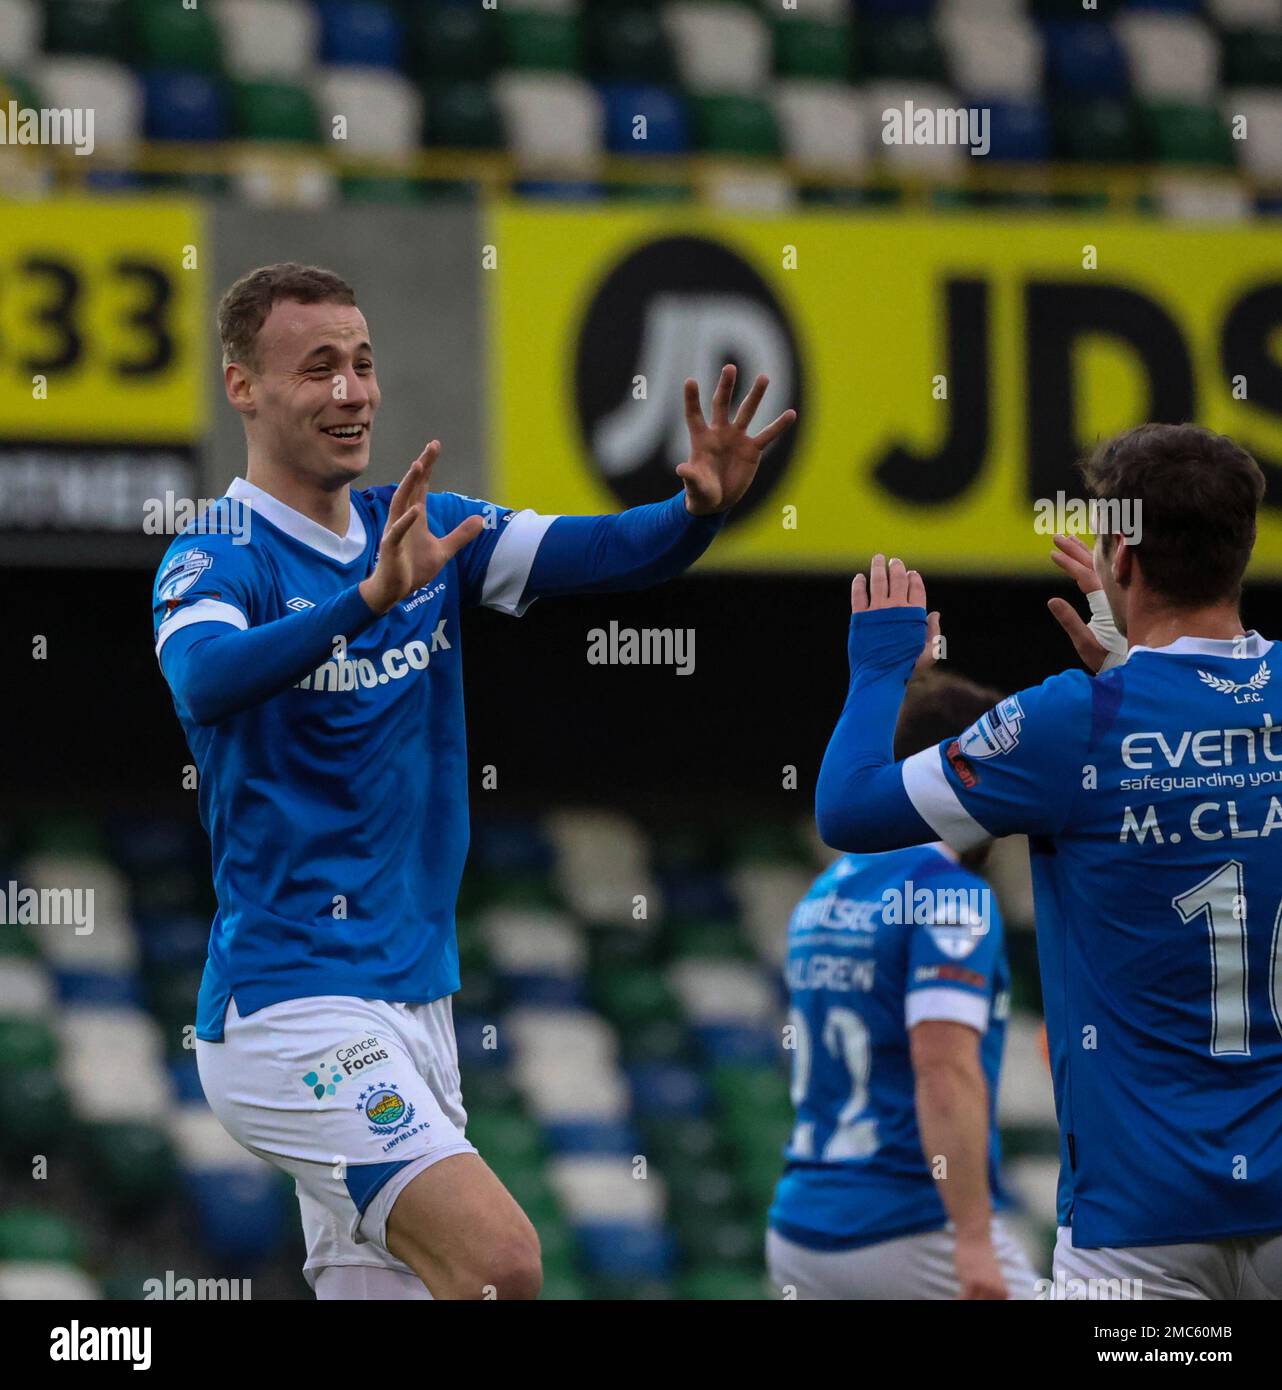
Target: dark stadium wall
{"type": "Point", "coordinates": [91, 725]}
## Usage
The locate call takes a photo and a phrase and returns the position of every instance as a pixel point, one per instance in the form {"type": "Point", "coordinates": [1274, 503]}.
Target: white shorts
{"type": "Point", "coordinates": [909, 1267]}
{"type": "Point", "coordinates": [337, 1091]}
{"type": "Point", "coordinates": [1246, 1267]}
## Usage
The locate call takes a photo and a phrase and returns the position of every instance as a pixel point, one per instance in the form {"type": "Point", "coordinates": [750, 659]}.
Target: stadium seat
{"type": "Point", "coordinates": [1246, 14]}
{"type": "Point", "coordinates": [1261, 152]}
{"type": "Point", "coordinates": [903, 48]}
{"type": "Point", "coordinates": [19, 32]}
{"type": "Point", "coordinates": [814, 48]}
{"type": "Point", "coordinates": [360, 34]}
{"type": "Point", "coordinates": [1084, 59]}
{"type": "Point", "coordinates": [94, 28]}
{"type": "Point", "coordinates": [45, 1280]}
{"type": "Point", "coordinates": [999, 58]}
{"type": "Point", "coordinates": [911, 158]}
{"type": "Point", "coordinates": [462, 115]}
{"type": "Point", "coordinates": [34, 1234]}
{"type": "Point", "coordinates": [110, 89]}
{"type": "Point", "coordinates": [184, 106]}
{"type": "Point", "coordinates": [1170, 57]}
{"type": "Point", "coordinates": [453, 42]}
{"type": "Point", "coordinates": [551, 119]}
{"type": "Point", "coordinates": [1186, 133]}
{"type": "Point", "coordinates": [539, 41]}
{"type": "Point", "coordinates": [268, 39]}
{"type": "Point", "coordinates": [824, 126]}
{"type": "Point", "coordinates": [726, 123]}
{"type": "Point", "coordinates": [138, 1086]}
{"type": "Point", "coordinates": [171, 37]}
{"type": "Point", "coordinates": [664, 132]}
{"type": "Point", "coordinates": [1252, 58]}
{"type": "Point", "coordinates": [1018, 131]}
{"type": "Point", "coordinates": [1190, 199]}
{"type": "Point", "coordinates": [628, 45]}
{"type": "Point", "coordinates": [1102, 130]}
{"type": "Point", "coordinates": [719, 47]}
{"type": "Point", "coordinates": [383, 111]}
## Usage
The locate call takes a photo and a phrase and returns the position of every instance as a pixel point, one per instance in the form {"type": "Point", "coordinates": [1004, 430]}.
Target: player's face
{"type": "Point", "coordinates": [315, 392]}
{"type": "Point", "coordinates": [1113, 591]}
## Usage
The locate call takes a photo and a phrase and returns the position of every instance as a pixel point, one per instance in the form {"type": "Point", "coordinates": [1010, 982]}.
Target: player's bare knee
{"type": "Point", "coordinates": [513, 1268]}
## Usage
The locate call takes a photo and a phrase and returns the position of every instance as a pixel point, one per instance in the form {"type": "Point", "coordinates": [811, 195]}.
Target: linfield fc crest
{"type": "Point", "coordinates": [182, 572]}
{"type": "Point", "coordinates": [386, 1110]}
{"type": "Point", "coordinates": [1243, 692]}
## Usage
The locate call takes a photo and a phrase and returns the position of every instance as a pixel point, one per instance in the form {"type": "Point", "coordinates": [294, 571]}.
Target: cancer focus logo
{"type": "Point", "coordinates": [385, 1109]}
{"type": "Point", "coordinates": [679, 307]}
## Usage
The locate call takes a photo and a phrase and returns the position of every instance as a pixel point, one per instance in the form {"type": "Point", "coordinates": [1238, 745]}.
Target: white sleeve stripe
{"type": "Point", "coordinates": [205, 610]}
{"type": "Point", "coordinates": [936, 802]}
{"type": "Point", "coordinates": [511, 560]}
{"type": "Point", "coordinates": [942, 1005]}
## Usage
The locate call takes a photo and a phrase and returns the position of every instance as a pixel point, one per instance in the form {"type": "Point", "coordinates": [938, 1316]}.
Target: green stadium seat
{"type": "Point", "coordinates": [455, 42]}
{"type": "Point", "coordinates": [903, 48]}
{"type": "Point", "coordinates": [26, 1043]}
{"type": "Point", "coordinates": [30, 1233]}
{"type": "Point", "coordinates": [132, 1165]}
{"type": "Point", "coordinates": [463, 116]}
{"type": "Point", "coordinates": [1251, 58]}
{"type": "Point", "coordinates": [14, 939]}
{"type": "Point", "coordinates": [506, 1137]}
{"type": "Point", "coordinates": [34, 1113]}
{"type": "Point", "coordinates": [811, 48]}
{"type": "Point", "coordinates": [1102, 131]}
{"type": "Point", "coordinates": [69, 836]}
{"type": "Point", "coordinates": [265, 110]}
{"type": "Point", "coordinates": [731, 124]}
{"type": "Point", "coordinates": [717, 1283]}
{"type": "Point", "coordinates": [1184, 133]}
{"type": "Point", "coordinates": [660, 1040]}
{"type": "Point", "coordinates": [628, 44]}
{"type": "Point", "coordinates": [97, 28]}
{"type": "Point", "coordinates": [682, 1144]}
{"type": "Point", "coordinates": [561, 1285]}
{"type": "Point", "coordinates": [165, 35]}
{"type": "Point", "coordinates": [631, 997]}
{"type": "Point", "coordinates": [366, 188]}
{"type": "Point", "coordinates": [697, 937]}
{"type": "Point", "coordinates": [727, 1240]}
{"type": "Point", "coordinates": [541, 40]}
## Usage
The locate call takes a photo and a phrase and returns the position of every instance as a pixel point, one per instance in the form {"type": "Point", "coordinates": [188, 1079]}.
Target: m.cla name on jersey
{"type": "Point", "coordinates": [342, 673]}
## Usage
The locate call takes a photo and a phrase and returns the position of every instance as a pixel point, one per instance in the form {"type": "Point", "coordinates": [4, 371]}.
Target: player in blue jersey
{"type": "Point", "coordinates": [1151, 794]}
{"type": "Point", "coordinates": [899, 993]}
{"type": "Point", "coordinates": [309, 632]}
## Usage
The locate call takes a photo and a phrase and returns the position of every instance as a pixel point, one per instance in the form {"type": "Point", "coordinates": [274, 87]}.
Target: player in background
{"type": "Point", "coordinates": [1151, 794]}
{"type": "Point", "coordinates": [317, 674]}
{"type": "Point", "coordinates": [899, 992]}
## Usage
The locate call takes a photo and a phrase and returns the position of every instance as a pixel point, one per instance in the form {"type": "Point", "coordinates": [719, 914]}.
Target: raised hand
{"type": "Point", "coordinates": [723, 455]}
{"type": "Point", "coordinates": [1076, 560]}
{"type": "Point", "coordinates": [893, 586]}
{"type": "Point", "coordinates": [409, 555]}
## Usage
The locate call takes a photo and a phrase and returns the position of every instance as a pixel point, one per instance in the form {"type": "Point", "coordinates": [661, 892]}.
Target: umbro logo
{"type": "Point", "coordinates": [298, 604]}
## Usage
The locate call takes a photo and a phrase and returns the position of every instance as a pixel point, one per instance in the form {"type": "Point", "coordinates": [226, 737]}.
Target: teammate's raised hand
{"type": "Point", "coordinates": [723, 455]}
{"type": "Point", "coordinates": [1096, 640]}
{"type": "Point", "coordinates": [893, 586]}
{"type": "Point", "coordinates": [409, 555]}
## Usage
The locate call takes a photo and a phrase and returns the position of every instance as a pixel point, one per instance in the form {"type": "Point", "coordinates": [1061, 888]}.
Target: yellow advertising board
{"type": "Point", "coordinates": [948, 371]}
{"type": "Point", "coordinates": [102, 330]}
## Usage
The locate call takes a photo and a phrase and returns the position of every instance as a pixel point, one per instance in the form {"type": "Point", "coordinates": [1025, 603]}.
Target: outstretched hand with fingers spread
{"type": "Point", "coordinates": [893, 586]}
{"type": "Point", "coordinates": [409, 555]}
{"type": "Point", "coordinates": [1075, 559]}
{"type": "Point", "coordinates": [723, 455]}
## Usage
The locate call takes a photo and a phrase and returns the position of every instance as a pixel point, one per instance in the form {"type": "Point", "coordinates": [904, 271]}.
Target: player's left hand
{"type": "Point", "coordinates": [979, 1272]}
{"type": "Point", "coordinates": [723, 455]}
{"type": "Point", "coordinates": [893, 586]}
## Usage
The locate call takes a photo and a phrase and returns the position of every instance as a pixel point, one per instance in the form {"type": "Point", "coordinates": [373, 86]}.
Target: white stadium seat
{"type": "Point", "coordinates": [1191, 198]}
{"type": "Point", "coordinates": [1260, 153]}
{"type": "Point", "coordinates": [1170, 56]}
{"type": "Point", "coordinates": [45, 1280]}
{"type": "Point", "coordinates": [993, 58]}
{"type": "Point", "coordinates": [605, 1189]}
{"type": "Point", "coordinates": [108, 88]}
{"type": "Point", "coordinates": [1246, 14]}
{"type": "Point", "coordinates": [553, 119]}
{"type": "Point", "coordinates": [534, 941]}
{"type": "Point", "coordinates": [602, 865]}
{"type": "Point", "coordinates": [383, 110]}
{"type": "Point", "coordinates": [825, 126]}
{"type": "Point", "coordinates": [883, 96]}
{"type": "Point", "coordinates": [268, 38]}
{"type": "Point", "coordinates": [715, 991]}
{"type": "Point", "coordinates": [720, 47]}
{"type": "Point", "coordinates": [19, 32]}
{"type": "Point", "coordinates": [112, 1064]}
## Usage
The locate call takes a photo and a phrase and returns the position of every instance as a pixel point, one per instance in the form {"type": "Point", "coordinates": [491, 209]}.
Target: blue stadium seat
{"type": "Point", "coordinates": [664, 1089]}
{"type": "Point", "coordinates": [1084, 59]}
{"type": "Point", "coordinates": [103, 988]}
{"type": "Point", "coordinates": [510, 846]}
{"type": "Point", "coordinates": [240, 1214]}
{"type": "Point", "coordinates": [897, 9]}
{"type": "Point", "coordinates": [184, 106]}
{"type": "Point", "coordinates": [620, 1249]}
{"type": "Point", "coordinates": [361, 33]}
{"type": "Point", "coordinates": [545, 990]}
{"type": "Point", "coordinates": [736, 1044]}
{"type": "Point", "coordinates": [185, 1076]}
{"type": "Point", "coordinates": [569, 1137]}
{"type": "Point", "coordinates": [667, 131]}
{"type": "Point", "coordinates": [1019, 131]}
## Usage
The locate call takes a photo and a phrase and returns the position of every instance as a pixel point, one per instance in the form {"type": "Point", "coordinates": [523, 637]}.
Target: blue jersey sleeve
{"type": "Point", "coordinates": [209, 577]}
{"type": "Point", "coordinates": [521, 556]}
{"type": "Point", "coordinates": [954, 951]}
{"type": "Point", "coordinates": [1017, 770]}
